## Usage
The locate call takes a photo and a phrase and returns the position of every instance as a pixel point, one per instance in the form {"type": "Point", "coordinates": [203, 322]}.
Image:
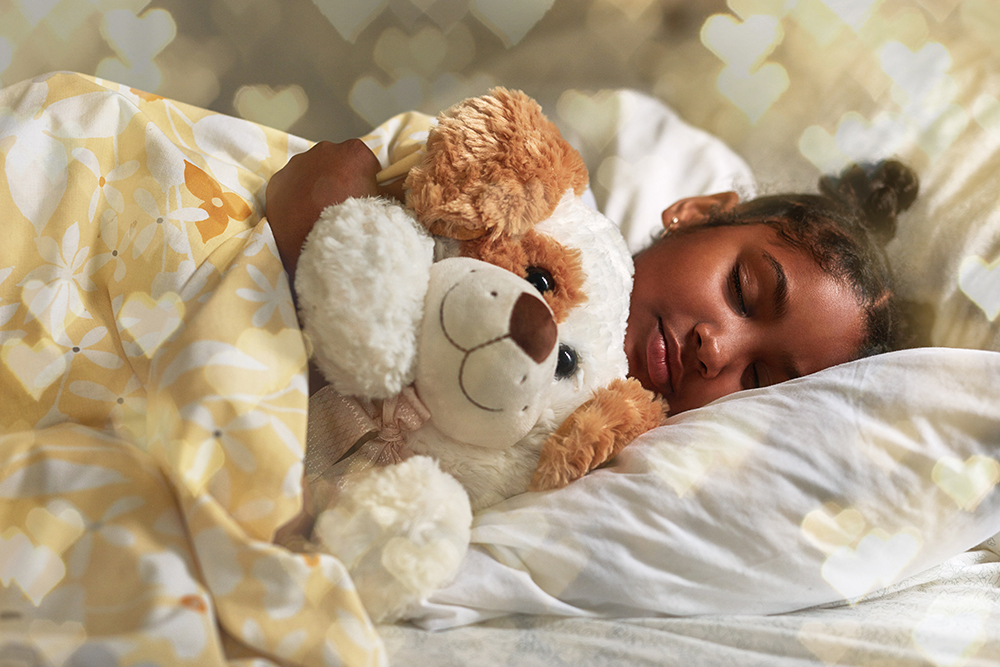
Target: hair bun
{"type": "Point", "coordinates": [878, 193]}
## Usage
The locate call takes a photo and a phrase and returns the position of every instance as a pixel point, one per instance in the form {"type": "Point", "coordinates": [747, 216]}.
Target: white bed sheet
{"type": "Point", "coordinates": [948, 616]}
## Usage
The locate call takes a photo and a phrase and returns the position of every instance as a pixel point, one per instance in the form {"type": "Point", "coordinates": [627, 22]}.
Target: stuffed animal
{"type": "Point", "coordinates": [478, 334]}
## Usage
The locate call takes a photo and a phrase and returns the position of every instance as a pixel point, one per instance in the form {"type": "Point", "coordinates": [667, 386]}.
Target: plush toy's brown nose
{"type": "Point", "coordinates": [532, 327]}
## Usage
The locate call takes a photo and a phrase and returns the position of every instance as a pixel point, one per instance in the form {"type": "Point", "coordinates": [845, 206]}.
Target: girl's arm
{"type": "Point", "coordinates": [322, 176]}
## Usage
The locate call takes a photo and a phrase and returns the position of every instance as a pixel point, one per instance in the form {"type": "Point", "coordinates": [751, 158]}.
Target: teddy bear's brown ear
{"type": "Point", "coordinates": [596, 431]}
{"type": "Point", "coordinates": [493, 165]}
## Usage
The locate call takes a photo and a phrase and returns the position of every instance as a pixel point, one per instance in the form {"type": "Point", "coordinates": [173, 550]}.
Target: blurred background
{"type": "Point", "coordinates": [795, 86]}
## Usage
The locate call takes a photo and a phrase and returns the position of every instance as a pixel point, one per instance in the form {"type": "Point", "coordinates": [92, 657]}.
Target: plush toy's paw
{"type": "Point", "coordinates": [595, 432]}
{"type": "Point", "coordinates": [402, 532]}
{"type": "Point", "coordinates": [494, 164]}
{"type": "Point", "coordinates": [361, 281]}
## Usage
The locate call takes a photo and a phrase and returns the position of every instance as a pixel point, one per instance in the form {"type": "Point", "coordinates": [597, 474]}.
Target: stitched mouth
{"type": "Point", "coordinates": [530, 327]}
{"type": "Point", "coordinates": [465, 392]}
{"type": "Point", "coordinates": [466, 353]}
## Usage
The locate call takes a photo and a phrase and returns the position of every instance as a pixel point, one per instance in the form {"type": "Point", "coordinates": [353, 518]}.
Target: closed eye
{"type": "Point", "coordinates": [751, 376]}
{"type": "Point", "coordinates": [737, 287]}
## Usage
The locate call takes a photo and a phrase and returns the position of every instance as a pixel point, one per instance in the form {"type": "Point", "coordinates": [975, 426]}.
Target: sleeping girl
{"type": "Point", "coordinates": [731, 295]}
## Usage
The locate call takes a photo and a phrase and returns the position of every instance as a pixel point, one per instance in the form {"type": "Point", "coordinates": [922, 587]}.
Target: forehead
{"type": "Point", "coordinates": [823, 323]}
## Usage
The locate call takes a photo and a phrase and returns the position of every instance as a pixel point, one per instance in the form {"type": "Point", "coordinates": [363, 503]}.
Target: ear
{"type": "Point", "coordinates": [493, 165]}
{"type": "Point", "coordinates": [595, 432]}
{"type": "Point", "coordinates": [694, 210]}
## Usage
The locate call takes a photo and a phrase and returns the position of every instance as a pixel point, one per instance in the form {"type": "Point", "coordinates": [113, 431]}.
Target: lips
{"type": "Point", "coordinates": [657, 364]}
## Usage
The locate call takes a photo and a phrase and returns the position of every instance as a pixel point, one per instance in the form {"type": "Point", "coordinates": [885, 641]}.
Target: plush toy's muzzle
{"type": "Point", "coordinates": [487, 353]}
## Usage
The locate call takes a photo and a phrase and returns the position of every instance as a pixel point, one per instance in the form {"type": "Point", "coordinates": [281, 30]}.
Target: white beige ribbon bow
{"type": "Point", "coordinates": [347, 435]}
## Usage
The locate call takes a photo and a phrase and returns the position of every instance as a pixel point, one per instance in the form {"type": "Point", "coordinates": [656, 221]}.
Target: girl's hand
{"type": "Point", "coordinates": [324, 175]}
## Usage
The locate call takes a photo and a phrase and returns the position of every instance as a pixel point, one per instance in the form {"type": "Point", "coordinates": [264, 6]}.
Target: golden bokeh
{"type": "Point", "coordinates": [832, 75]}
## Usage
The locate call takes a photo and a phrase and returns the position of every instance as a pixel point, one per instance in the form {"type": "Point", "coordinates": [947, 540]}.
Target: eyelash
{"type": "Point", "coordinates": [738, 291]}
{"type": "Point", "coordinates": [734, 277]}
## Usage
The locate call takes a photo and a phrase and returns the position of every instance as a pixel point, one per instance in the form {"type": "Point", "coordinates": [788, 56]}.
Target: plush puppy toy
{"type": "Point", "coordinates": [491, 312]}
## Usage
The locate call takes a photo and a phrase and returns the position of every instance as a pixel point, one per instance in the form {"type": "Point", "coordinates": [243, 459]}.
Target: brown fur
{"type": "Point", "coordinates": [596, 431]}
{"type": "Point", "coordinates": [533, 249]}
{"type": "Point", "coordinates": [494, 165]}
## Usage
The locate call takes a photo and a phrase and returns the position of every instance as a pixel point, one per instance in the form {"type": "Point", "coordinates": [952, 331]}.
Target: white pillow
{"type": "Point", "coordinates": [816, 490]}
{"type": "Point", "coordinates": [653, 158]}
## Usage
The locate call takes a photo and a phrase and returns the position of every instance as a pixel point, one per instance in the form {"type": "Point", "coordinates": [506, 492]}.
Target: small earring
{"type": "Point", "coordinates": [665, 231]}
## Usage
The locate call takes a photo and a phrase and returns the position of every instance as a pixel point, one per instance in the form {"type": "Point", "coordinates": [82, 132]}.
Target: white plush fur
{"type": "Point", "coordinates": [402, 531]}
{"type": "Point", "coordinates": [361, 281]}
{"type": "Point", "coordinates": [596, 330]}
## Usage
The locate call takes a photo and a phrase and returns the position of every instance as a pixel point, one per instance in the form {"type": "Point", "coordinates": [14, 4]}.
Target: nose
{"type": "Point", "coordinates": [532, 327]}
{"type": "Point", "coordinates": [713, 350]}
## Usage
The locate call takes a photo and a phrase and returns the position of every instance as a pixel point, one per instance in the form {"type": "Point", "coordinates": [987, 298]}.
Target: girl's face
{"type": "Point", "coordinates": [717, 310]}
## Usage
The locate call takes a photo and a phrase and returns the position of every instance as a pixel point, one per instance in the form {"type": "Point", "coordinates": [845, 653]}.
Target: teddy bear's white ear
{"type": "Point", "coordinates": [361, 282]}
{"type": "Point", "coordinates": [596, 431]}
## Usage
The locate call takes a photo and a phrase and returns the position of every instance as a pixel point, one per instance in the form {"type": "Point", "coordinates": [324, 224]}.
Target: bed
{"type": "Point", "coordinates": [152, 437]}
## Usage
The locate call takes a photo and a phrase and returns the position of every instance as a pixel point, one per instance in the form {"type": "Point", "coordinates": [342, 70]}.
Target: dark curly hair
{"type": "Point", "coordinates": [845, 229]}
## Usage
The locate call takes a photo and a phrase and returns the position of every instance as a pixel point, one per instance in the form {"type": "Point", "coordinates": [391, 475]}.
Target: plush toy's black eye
{"type": "Point", "coordinates": [541, 279]}
{"type": "Point", "coordinates": [567, 362]}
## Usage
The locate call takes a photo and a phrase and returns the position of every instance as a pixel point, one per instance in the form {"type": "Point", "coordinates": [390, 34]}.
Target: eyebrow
{"type": "Point", "coordinates": [780, 295]}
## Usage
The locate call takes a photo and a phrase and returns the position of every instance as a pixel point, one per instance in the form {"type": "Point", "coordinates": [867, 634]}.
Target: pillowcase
{"type": "Point", "coordinates": [813, 491]}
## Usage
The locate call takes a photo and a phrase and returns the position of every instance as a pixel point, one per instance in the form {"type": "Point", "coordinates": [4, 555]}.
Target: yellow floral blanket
{"type": "Point", "coordinates": [152, 393]}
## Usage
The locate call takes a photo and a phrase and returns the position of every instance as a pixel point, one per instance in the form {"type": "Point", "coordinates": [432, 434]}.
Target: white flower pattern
{"type": "Point", "coordinates": [227, 435]}
{"type": "Point", "coordinates": [272, 298]}
{"type": "Point", "coordinates": [174, 237]}
{"type": "Point", "coordinates": [117, 244]}
{"type": "Point", "coordinates": [125, 406]}
{"type": "Point", "coordinates": [120, 329]}
{"type": "Point", "coordinates": [82, 348]}
{"type": "Point", "coordinates": [78, 556]}
{"type": "Point", "coordinates": [104, 181]}
{"type": "Point", "coordinates": [55, 285]}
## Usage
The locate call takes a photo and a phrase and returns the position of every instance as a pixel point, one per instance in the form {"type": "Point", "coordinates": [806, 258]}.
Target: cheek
{"type": "Point", "coordinates": [652, 288]}
{"type": "Point", "coordinates": [642, 304]}
{"type": "Point", "coordinates": [676, 279]}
